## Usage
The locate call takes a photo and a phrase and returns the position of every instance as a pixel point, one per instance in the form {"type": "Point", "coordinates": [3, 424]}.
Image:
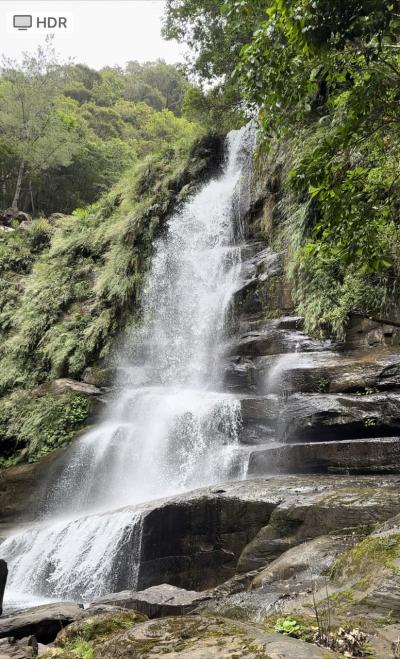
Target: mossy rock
{"type": "Point", "coordinates": [188, 637]}
{"type": "Point", "coordinates": [82, 639]}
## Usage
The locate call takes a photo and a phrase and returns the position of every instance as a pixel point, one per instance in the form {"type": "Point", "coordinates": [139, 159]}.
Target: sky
{"type": "Point", "coordinates": [98, 32]}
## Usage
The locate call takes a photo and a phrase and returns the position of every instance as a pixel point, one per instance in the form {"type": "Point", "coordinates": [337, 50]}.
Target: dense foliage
{"type": "Point", "coordinates": [324, 79]}
{"type": "Point", "coordinates": [68, 132]}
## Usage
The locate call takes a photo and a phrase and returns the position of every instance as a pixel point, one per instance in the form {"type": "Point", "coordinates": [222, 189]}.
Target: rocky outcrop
{"type": "Point", "coordinates": [199, 540]}
{"type": "Point", "coordinates": [155, 602]}
{"type": "Point", "coordinates": [308, 509]}
{"type": "Point", "coordinates": [43, 622]}
{"type": "Point", "coordinates": [322, 371]}
{"type": "Point", "coordinates": [303, 564]}
{"type": "Point", "coordinates": [321, 417]}
{"type": "Point", "coordinates": [377, 455]}
{"type": "Point", "coordinates": [261, 282]}
{"type": "Point", "coordinates": [193, 541]}
{"type": "Point", "coordinates": [3, 580]}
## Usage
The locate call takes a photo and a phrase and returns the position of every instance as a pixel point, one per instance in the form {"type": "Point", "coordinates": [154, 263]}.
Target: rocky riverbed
{"type": "Point", "coordinates": [239, 560]}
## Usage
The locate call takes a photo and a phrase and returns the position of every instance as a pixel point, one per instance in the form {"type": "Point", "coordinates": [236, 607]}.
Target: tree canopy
{"type": "Point", "coordinates": [67, 132]}
{"type": "Point", "coordinates": [323, 78]}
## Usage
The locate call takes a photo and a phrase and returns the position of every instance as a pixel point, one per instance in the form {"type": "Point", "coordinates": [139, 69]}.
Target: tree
{"type": "Point", "coordinates": [39, 125]}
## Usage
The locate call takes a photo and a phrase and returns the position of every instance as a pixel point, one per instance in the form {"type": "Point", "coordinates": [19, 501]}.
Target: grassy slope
{"type": "Point", "coordinates": [69, 288]}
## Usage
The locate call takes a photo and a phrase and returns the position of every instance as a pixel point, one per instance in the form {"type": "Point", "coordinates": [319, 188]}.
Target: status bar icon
{"type": "Point", "coordinates": [22, 21]}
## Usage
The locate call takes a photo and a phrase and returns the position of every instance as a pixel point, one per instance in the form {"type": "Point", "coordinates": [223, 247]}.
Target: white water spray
{"type": "Point", "coordinates": [171, 429]}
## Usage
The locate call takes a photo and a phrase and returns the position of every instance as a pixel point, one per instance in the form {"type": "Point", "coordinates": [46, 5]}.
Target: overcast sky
{"type": "Point", "coordinates": [99, 32]}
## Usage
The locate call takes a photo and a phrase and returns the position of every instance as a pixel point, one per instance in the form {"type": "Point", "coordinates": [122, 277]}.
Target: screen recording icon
{"type": "Point", "coordinates": [22, 21]}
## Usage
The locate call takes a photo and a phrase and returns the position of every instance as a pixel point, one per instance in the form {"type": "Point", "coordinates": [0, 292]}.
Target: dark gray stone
{"type": "Point", "coordinates": [43, 622]}
{"type": "Point", "coordinates": [323, 371]}
{"type": "Point", "coordinates": [322, 417]}
{"type": "Point", "coordinates": [155, 602]}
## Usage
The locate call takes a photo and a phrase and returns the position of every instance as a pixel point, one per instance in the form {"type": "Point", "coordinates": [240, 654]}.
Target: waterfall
{"type": "Point", "coordinates": [171, 427]}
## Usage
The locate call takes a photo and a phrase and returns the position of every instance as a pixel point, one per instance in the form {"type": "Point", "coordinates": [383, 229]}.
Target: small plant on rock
{"type": "Point", "coordinates": [288, 626]}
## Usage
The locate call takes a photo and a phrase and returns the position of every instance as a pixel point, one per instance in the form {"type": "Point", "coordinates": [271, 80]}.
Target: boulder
{"type": "Point", "coordinates": [347, 456]}
{"type": "Point", "coordinates": [94, 626]}
{"type": "Point", "coordinates": [194, 540]}
{"type": "Point", "coordinates": [155, 602]}
{"type": "Point", "coordinates": [296, 572]}
{"type": "Point", "coordinates": [3, 580]}
{"type": "Point", "coordinates": [99, 377]}
{"type": "Point", "coordinates": [55, 217]}
{"type": "Point", "coordinates": [10, 214]}
{"type": "Point", "coordinates": [44, 622]}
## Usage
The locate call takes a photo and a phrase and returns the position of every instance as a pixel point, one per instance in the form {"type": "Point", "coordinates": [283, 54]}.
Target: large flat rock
{"type": "Point", "coordinates": [155, 602]}
{"type": "Point", "coordinates": [320, 371]}
{"type": "Point", "coordinates": [378, 455]}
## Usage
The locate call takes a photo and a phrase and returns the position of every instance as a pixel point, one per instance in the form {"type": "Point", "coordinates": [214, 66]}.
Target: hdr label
{"type": "Point", "coordinates": [27, 22]}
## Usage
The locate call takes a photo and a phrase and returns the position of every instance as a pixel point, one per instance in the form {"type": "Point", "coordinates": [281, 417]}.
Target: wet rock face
{"type": "Point", "coordinates": [3, 580]}
{"type": "Point", "coordinates": [354, 456]}
{"type": "Point", "coordinates": [194, 541]}
{"type": "Point", "coordinates": [323, 417]}
{"type": "Point", "coordinates": [19, 487]}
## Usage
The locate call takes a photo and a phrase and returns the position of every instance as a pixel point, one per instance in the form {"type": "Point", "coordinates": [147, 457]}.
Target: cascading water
{"type": "Point", "coordinates": [171, 428]}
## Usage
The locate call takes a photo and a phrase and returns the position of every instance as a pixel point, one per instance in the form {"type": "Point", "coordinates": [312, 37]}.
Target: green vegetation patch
{"type": "Point", "coordinates": [32, 424]}
{"type": "Point", "coordinates": [79, 640]}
